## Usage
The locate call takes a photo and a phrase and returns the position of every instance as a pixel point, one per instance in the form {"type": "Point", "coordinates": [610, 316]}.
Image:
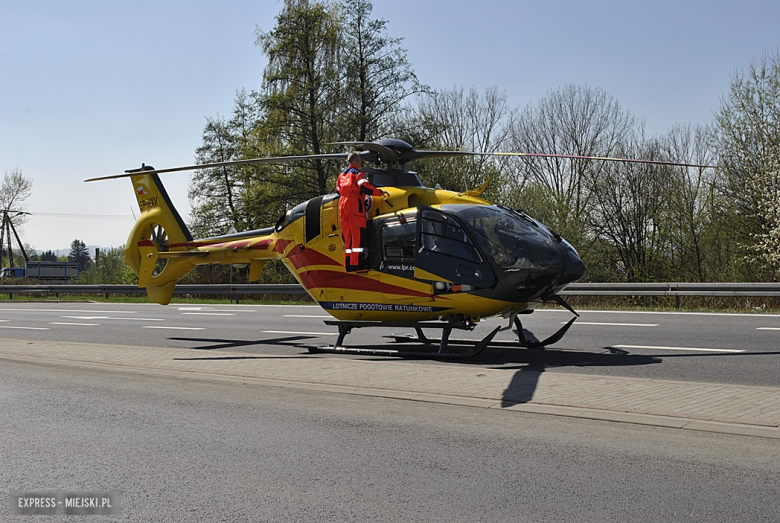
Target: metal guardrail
{"type": "Point", "coordinates": [672, 289]}
{"type": "Point", "coordinates": [225, 290]}
{"type": "Point", "coordinates": [575, 289]}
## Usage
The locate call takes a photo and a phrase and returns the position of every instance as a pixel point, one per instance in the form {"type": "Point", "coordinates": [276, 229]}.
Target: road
{"type": "Point", "coordinates": [187, 450]}
{"type": "Point", "coordinates": [716, 348]}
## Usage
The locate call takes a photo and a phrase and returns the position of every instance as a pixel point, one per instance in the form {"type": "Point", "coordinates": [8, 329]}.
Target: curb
{"type": "Point", "coordinates": [528, 408]}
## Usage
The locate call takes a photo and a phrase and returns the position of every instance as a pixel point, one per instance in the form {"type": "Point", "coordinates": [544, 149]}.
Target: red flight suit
{"type": "Point", "coordinates": [352, 186]}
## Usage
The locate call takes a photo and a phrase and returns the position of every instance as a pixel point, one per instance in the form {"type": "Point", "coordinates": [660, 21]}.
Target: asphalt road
{"type": "Point", "coordinates": [720, 348]}
{"type": "Point", "coordinates": [185, 450]}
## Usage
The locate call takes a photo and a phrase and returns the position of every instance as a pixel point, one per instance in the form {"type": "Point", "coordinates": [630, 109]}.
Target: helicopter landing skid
{"type": "Point", "coordinates": [345, 327]}
{"type": "Point", "coordinates": [530, 344]}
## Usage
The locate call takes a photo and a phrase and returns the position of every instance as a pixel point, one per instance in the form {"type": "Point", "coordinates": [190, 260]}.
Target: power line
{"type": "Point", "coordinates": [87, 216]}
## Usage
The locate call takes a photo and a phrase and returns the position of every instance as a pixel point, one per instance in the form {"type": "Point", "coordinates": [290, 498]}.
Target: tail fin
{"type": "Point", "coordinates": [159, 229]}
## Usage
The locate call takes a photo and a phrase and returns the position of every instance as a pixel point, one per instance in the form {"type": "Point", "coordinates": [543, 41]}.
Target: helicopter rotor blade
{"type": "Point", "coordinates": [251, 161]}
{"type": "Point", "coordinates": [608, 159]}
{"type": "Point", "coordinates": [392, 152]}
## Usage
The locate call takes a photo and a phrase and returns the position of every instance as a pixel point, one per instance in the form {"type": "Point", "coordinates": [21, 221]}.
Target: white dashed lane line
{"type": "Point", "coordinates": [768, 328]}
{"type": "Point", "coordinates": [654, 347]}
{"type": "Point", "coordinates": [110, 318]}
{"type": "Point", "coordinates": [70, 323]}
{"type": "Point", "coordinates": [209, 313]}
{"type": "Point", "coordinates": [174, 328]}
{"type": "Point", "coordinates": [306, 316]}
{"type": "Point", "coordinates": [304, 333]}
{"type": "Point", "coordinates": [613, 324]}
{"type": "Point", "coordinates": [66, 310]}
{"type": "Point", "coordinates": [24, 328]}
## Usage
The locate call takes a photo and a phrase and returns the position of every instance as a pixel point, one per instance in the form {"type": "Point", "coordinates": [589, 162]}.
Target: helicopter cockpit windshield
{"type": "Point", "coordinates": [512, 240]}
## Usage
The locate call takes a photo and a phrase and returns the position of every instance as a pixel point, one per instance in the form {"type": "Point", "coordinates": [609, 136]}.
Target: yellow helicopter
{"type": "Point", "coordinates": [437, 259]}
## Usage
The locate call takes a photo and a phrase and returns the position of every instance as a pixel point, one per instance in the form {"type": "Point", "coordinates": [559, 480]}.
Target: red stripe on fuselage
{"type": "Point", "coordinates": [281, 245]}
{"type": "Point", "coordinates": [341, 280]}
{"type": "Point", "coordinates": [264, 244]}
{"type": "Point", "coordinates": [302, 258]}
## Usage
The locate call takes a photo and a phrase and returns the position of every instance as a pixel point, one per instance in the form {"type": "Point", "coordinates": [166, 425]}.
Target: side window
{"type": "Point", "coordinates": [442, 235]}
{"type": "Point", "coordinates": [398, 238]}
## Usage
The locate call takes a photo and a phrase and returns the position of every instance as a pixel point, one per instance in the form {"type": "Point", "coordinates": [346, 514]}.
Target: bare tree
{"type": "Point", "coordinates": [693, 207]}
{"type": "Point", "coordinates": [573, 120]}
{"type": "Point", "coordinates": [457, 120]}
{"type": "Point", "coordinates": [14, 191]}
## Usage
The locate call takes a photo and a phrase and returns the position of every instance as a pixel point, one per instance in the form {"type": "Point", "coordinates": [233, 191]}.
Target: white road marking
{"type": "Point", "coordinates": [305, 316]}
{"type": "Point", "coordinates": [674, 348]}
{"type": "Point", "coordinates": [110, 318]}
{"type": "Point", "coordinates": [66, 323]}
{"type": "Point", "coordinates": [674, 313]}
{"type": "Point", "coordinates": [208, 313]}
{"type": "Point", "coordinates": [25, 328]}
{"type": "Point", "coordinates": [613, 324]}
{"type": "Point", "coordinates": [311, 333]}
{"type": "Point", "coordinates": [68, 310]}
{"type": "Point", "coordinates": [174, 328]}
{"type": "Point", "coordinates": [768, 328]}
{"type": "Point", "coordinates": [210, 309]}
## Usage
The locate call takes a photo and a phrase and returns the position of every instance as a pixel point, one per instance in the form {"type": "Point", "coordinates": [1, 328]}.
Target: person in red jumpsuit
{"type": "Point", "coordinates": [353, 186]}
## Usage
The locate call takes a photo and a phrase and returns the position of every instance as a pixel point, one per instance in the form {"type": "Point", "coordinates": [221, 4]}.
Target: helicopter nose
{"type": "Point", "coordinates": [574, 268]}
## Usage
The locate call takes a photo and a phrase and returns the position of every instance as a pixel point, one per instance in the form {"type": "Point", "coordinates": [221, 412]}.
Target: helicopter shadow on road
{"type": "Point", "coordinates": [216, 344]}
{"type": "Point", "coordinates": [529, 364]}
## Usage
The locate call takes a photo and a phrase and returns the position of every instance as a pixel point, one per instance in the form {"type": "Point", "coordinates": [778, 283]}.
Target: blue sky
{"type": "Point", "coordinates": [92, 88]}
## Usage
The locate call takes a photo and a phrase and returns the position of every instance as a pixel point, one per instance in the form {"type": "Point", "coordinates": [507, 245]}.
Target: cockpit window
{"type": "Point", "coordinates": [398, 238]}
{"type": "Point", "coordinates": [441, 234]}
{"type": "Point", "coordinates": [511, 240]}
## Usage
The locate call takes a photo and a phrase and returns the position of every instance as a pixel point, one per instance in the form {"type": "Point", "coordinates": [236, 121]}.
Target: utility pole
{"type": "Point", "coordinates": [5, 232]}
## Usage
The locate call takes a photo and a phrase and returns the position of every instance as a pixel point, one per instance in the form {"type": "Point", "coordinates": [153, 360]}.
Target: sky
{"type": "Point", "coordinates": [91, 88]}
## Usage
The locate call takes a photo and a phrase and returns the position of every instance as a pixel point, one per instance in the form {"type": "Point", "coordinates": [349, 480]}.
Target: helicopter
{"type": "Point", "coordinates": [436, 258]}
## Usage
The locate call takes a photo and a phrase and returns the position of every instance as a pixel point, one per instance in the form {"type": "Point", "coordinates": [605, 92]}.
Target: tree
{"type": "Point", "coordinates": [694, 228]}
{"type": "Point", "coordinates": [767, 244]}
{"type": "Point", "coordinates": [300, 86]}
{"type": "Point", "coordinates": [629, 205]}
{"type": "Point", "coordinates": [79, 254]}
{"type": "Point", "coordinates": [109, 268]}
{"type": "Point", "coordinates": [573, 120]}
{"type": "Point", "coordinates": [378, 76]}
{"type": "Point", "coordinates": [49, 256]}
{"type": "Point", "coordinates": [14, 190]}
{"type": "Point", "coordinates": [748, 134]}
{"type": "Point", "coordinates": [457, 120]}
{"type": "Point", "coordinates": [217, 194]}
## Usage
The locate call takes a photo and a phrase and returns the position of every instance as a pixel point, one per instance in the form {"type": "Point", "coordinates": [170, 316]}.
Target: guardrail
{"type": "Point", "coordinates": [184, 289]}
{"type": "Point", "coordinates": [575, 289]}
{"type": "Point", "coordinates": [672, 289]}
